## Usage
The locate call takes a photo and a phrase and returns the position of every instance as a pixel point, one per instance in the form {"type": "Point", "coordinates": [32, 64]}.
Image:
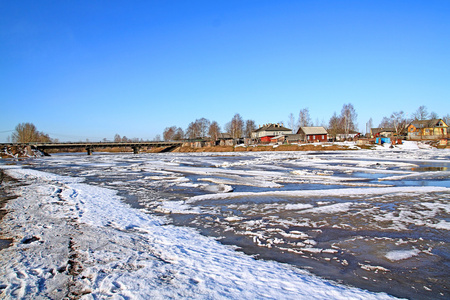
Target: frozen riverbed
{"type": "Point", "coordinates": [374, 220]}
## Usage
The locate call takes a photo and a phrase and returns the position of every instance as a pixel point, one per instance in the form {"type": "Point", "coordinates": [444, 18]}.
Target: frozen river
{"type": "Point", "coordinates": [372, 219]}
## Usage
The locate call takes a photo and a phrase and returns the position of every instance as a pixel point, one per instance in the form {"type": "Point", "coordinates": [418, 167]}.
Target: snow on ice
{"type": "Point", "coordinates": [82, 240]}
{"type": "Point", "coordinates": [75, 238]}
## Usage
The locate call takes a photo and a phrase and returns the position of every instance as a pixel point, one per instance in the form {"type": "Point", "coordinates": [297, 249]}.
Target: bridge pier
{"type": "Point", "coordinates": [136, 149]}
{"type": "Point", "coordinates": [89, 150]}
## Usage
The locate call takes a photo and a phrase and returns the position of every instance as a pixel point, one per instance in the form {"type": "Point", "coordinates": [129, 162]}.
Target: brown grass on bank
{"type": "Point", "coordinates": [205, 149]}
{"type": "Point", "coordinates": [256, 148]}
{"type": "Point", "coordinates": [264, 148]}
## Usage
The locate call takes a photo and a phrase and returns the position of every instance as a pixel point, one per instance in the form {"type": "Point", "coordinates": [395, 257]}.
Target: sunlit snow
{"type": "Point", "coordinates": [169, 225]}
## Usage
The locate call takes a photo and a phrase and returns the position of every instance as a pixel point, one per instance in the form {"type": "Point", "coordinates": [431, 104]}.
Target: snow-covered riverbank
{"type": "Point", "coordinates": [176, 225]}
{"type": "Point", "coordinates": [73, 239]}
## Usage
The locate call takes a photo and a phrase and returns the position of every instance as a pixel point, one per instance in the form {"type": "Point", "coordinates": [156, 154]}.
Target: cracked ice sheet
{"type": "Point", "coordinates": [347, 192]}
{"type": "Point", "coordinates": [122, 252]}
{"type": "Point", "coordinates": [262, 178]}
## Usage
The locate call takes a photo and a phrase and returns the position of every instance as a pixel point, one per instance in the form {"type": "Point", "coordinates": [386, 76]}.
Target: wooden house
{"type": "Point", "coordinates": [350, 136]}
{"type": "Point", "coordinates": [382, 132]}
{"type": "Point", "coordinates": [427, 129]}
{"type": "Point", "coordinates": [313, 134]}
{"type": "Point", "coordinates": [265, 133]}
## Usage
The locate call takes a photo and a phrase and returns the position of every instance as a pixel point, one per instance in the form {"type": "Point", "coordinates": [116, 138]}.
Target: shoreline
{"type": "Point", "coordinates": [5, 197]}
{"type": "Point", "coordinates": [335, 146]}
{"type": "Point", "coordinates": [21, 153]}
{"type": "Point", "coordinates": [79, 239]}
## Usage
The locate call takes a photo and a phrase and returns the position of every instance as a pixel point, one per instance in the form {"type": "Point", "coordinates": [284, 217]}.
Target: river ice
{"type": "Point", "coordinates": [277, 225]}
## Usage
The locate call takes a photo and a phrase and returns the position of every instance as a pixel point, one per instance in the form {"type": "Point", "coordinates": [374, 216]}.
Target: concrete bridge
{"type": "Point", "coordinates": [90, 146]}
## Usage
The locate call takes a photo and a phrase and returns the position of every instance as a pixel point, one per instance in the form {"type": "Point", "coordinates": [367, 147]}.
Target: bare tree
{"type": "Point", "coordinates": [334, 125]}
{"type": "Point", "coordinates": [178, 134]}
{"type": "Point", "coordinates": [117, 138]}
{"type": "Point", "coordinates": [304, 119]}
{"type": "Point", "coordinates": [214, 130]}
{"type": "Point", "coordinates": [385, 122]}
{"type": "Point", "coordinates": [249, 127]}
{"type": "Point", "coordinates": [421, 113]}
{"type": "Point", "coordinates": [27, 133]}
{"type": "Point", "coordinates": [157, 138]}
{"type": "Point", "coordinates": [203, 125]}
{"type": "Point", "coordinates": [169, 133]}
{"type": "Point", "coordinates": [292, 123]}
{"type": "Point", "coordinates": [434, 115]}
{"type": "Point", "coordinates": [369, 125]}
{"type": "Point", "coordinates": [194, 130]}
{"type": "Point", "coordinates": [446, 119]}
{"type": "Point", "coordinates": [348, 117]}
{"type": "Point", "coordinates": [399, 121]}
{"type": "Point", "coordinates": [236, 127]}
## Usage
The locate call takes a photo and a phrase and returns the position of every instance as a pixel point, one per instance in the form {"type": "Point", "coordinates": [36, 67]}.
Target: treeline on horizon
{"type": "Point", "coordinates": [344, 123]}
{"type": "Point", "coordinates": [237, 127]}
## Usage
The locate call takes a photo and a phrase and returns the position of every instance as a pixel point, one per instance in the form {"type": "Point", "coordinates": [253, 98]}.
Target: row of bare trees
{"type": "Point", "coordinates": [28, 133]}
{"type": "Point", "coordinates": [399, 120]}
{"type": "Point", "coordinates": [344, 123]}
{"type": "Point", "coordinates": [204, 128]}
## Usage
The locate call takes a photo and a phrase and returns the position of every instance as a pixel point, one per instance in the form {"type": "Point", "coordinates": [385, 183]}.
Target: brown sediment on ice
{"type": "Point", "coordinates": [5, 196]}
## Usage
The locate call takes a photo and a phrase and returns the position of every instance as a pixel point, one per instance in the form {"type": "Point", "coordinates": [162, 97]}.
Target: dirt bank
{"type": "Point", "coordinates": [5, 196]}
{"type": "Point", "coordinates": [306, 147]}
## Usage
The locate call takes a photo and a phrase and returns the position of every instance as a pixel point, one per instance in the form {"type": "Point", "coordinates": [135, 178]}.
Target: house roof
{"type": "Point", "coordinates": [225, 136]}
{"type": "Point", "coordinates": [312, 130]}
{"type": "Point", "coordinates": [382, 129]}
{"type": "Point", "coordinates": [349, 132]}
{"type": "Point", "coordinates": [428, 123]}
{"type": "Point", "coordinates": [293, 137]}
{"type": "Point", "coordinates": [272, 127]}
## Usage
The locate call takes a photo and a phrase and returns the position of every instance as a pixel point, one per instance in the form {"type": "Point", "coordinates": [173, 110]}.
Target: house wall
{"type": "Point", "coordinates": [317, 138]}
{"type": "Point", "coordinates": [263, 133]}
{"type": "Point", "coordinates": [277, 140]}
{"type": "Point", "coordinates": [426, 133]}
{"type": "Point", "coordinates": [265, 139]}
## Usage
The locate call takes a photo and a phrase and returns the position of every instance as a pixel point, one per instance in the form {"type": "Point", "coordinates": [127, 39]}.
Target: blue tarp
{"type": "Point", "coordinates": [383, 140]}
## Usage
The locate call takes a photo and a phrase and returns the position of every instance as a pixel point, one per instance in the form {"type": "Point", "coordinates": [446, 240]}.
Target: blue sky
{"type": "Point", "coordinates": [90, 69]}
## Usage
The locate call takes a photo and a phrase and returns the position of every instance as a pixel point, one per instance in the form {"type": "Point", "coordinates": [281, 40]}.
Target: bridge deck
{"type": "Point", "coordinates": [92, 145]}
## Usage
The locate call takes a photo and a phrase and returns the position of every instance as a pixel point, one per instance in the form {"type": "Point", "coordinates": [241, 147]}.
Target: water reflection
{"type": "Point", "coordinates": [429, 169]}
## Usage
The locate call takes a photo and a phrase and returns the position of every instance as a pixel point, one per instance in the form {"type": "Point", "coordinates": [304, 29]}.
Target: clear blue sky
{"type": "Point", "coordinates": [91, 69]}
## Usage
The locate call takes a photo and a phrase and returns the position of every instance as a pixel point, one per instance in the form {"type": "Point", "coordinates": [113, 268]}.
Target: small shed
{"type": "Point", "coordinates": [382, 132]}
{"type": "Point", "coordinates": [351, 135]}
{"type": "Point", "coordinates": [293, 138]}
{"type": "Point", "coordinates": [278, 139]}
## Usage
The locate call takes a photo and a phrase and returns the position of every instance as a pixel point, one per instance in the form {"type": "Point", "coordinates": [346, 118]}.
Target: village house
{"type": "Point", "coordinates": [427, 129]}
{"type": "Point", "coordinates": [225, 139]}
{"type": "Point", "coordinates": [382, 132]}
{"type": "Point", "coordinates": [313, 134]}
{"type": "Point", "coordinates": [265, 133]}
{"type": "Point", "coordinates": [349, 136]}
